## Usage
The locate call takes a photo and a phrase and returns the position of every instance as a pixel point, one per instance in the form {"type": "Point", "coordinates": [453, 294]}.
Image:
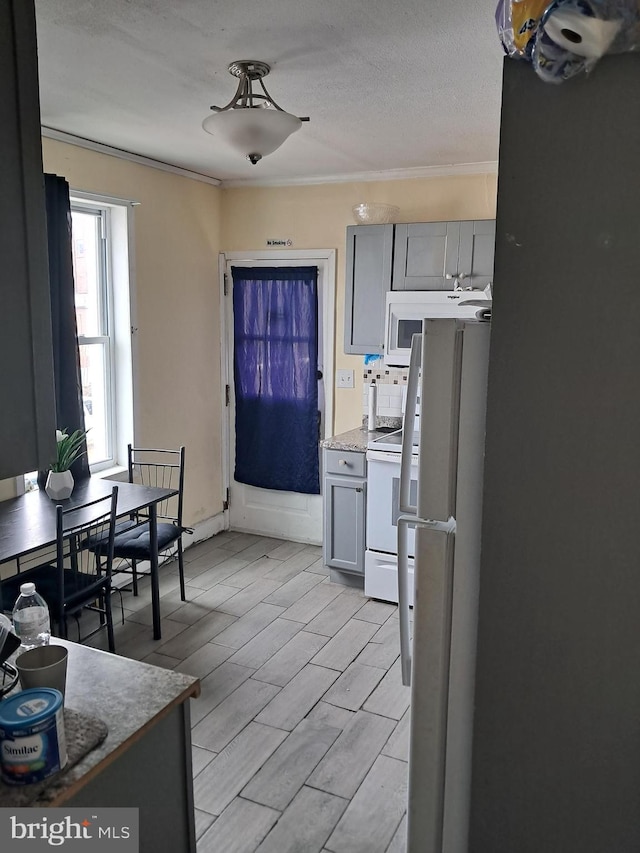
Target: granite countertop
{"type": "Point", "coordinates": [127, 695]}
{"type": "Point", "coordinates": [357, 439]}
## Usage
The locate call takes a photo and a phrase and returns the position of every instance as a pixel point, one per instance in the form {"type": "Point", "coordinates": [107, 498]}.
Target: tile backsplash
{"type": "Point", "coordinates": [391, 384]}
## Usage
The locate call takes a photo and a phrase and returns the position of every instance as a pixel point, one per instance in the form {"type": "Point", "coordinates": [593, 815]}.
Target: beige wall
{"type": "Point", "coordinates": [176, 246]}
{"type": "Point", "coordinates": [315, 217]}
{"type": "Point", "coordinates": [180, 227]}
{"type": "Point", "coordinates": [7, 489]}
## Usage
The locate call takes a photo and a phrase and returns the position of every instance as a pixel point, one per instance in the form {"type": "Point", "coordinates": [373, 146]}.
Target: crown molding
{"type": "Point", "coordinates": [449, 170]}
{"type": "Point", "coordinates": [121, 154]}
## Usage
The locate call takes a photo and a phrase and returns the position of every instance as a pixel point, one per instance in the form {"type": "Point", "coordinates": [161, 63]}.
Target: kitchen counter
{"type": "Point", "coordinates": [145, 760]}
{"type": "Point", "coordinates": [357, 439]}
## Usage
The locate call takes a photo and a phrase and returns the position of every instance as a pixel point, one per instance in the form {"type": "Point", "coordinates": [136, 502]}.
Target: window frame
{"type": "Point", "coordinates": [121, 292]}
{"type": "Point", "coordinates": [120, 257]}
{"type": "Point", "coordinates": [107, 323]}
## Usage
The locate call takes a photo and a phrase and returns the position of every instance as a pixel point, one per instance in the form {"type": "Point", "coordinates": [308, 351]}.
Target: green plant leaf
{"type": "Point", "coordinates": [69, 449]}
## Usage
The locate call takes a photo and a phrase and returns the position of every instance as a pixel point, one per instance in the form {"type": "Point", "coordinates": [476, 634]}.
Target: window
{"type": "Point", "coordinates": [100, 232]}
{"type": "Point", "coordinates": [94, 317]}
{"type": "Point", "coordinates": [100, 240]}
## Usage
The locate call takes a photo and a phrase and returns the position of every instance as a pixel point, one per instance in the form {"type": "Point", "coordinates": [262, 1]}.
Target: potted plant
{"type": "Point", "coordinates": [60, 483]}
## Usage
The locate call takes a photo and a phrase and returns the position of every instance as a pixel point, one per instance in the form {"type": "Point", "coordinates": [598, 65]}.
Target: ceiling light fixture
{"type": "Point", "coordinates": [251, 122]}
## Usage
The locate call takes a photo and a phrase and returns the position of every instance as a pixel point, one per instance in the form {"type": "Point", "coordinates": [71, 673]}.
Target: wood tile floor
{"type": "Point", "coordinates": [301, 730]}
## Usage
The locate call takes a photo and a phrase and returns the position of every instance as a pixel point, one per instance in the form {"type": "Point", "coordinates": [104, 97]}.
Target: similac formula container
{"type": "Point", "coordinates": [32, 740]}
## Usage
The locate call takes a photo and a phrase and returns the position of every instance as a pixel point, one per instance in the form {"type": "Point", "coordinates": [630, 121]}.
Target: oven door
{"type": "Point", "coordinates": [383, 500]}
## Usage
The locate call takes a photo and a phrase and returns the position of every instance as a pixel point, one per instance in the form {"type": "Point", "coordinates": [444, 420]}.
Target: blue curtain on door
{"type": "Point", "coordinates": [275, 316]}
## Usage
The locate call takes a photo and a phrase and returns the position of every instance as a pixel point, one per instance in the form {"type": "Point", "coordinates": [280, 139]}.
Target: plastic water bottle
{"type": "Point", "coordinates": [31, 618]}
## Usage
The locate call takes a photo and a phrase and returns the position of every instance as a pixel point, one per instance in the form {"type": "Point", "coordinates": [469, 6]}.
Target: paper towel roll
{"type": "Point", "coordinates": [579, 34]}
{"type": "Point", "coordinates": [373, 406]}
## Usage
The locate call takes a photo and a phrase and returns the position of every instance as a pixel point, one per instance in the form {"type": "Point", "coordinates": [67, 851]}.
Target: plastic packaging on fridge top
{"type": "Point", "coordinates": [566, 37]}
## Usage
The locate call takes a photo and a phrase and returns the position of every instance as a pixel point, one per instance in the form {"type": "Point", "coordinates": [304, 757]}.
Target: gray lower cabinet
{"type": "Point", "coordinates": [152, 774]}
{"type": "Point", "coordinates": [368, 277]}
{"type": "Point", "coordinates": [443, 255]}
{"type": "Point", "coordinates": [27, 415]}
{"type": "Point", "coordinates": [344, 500]}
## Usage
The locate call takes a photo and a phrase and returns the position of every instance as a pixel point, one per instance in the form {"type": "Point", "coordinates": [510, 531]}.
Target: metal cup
{"type": "Point", "coordinates": [44, 666]}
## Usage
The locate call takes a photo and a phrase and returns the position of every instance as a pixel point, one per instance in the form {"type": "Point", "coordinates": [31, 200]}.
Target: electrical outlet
{"type": "Point", "coordinates": [344, 379]}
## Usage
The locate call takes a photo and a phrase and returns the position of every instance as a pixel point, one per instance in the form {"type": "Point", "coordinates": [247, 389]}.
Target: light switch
{"type": "Point", "coordinates": [344, 379]}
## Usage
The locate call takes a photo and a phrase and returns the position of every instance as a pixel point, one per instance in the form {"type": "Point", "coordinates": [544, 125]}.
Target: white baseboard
{"type": "Point", "coordinates": [290, 537]}
{"type": "Point", "coordinates": [205, 530]}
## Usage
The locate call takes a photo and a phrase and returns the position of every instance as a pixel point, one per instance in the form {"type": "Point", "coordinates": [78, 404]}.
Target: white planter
{"type": "Point", "coordinates": [59, 485]}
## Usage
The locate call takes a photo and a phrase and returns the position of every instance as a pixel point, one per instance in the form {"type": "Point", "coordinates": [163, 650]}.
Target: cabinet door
{"type": "Point", "coordinates": [475, 258]}
{"type": "Point", "coordinates": [344, 523]}
{"type": "Point", "coordinates": [27, 419]}
{"type": "Point", "coordinates": [425, 253]}
{"type": "Point", "coordinates": [368, 278]}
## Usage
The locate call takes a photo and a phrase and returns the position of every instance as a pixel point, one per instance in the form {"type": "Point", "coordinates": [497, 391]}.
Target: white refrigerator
{"type": "Point", "coordinates": [449, 365]}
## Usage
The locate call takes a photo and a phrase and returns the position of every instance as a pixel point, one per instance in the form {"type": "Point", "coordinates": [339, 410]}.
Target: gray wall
{"type": "Point", "coordinates": [27, 403]}
{"type": "Point", "coordinates": [556, 761]}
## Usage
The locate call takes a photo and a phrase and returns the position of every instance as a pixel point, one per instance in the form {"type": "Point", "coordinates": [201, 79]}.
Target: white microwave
{"type": "Point", "coordinates": [405, 311]}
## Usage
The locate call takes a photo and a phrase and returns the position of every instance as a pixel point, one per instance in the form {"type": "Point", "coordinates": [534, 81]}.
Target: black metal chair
{"type": "Point", "coordinates": [163, 469]}
{"type": "Point", "coordinates": [79, 576]}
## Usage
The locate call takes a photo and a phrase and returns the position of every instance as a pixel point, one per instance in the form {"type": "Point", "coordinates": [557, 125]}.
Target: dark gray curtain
{"type": "Point", "coordinates": [66, 356]}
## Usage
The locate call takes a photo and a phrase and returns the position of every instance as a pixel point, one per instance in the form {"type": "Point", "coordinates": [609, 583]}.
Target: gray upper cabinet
{"type": "Point", "coordinates": [443, 255]}
{"type": "Point", "coordinates": [475, 255]}
{"type": "Point", "coordinates": [413, 256]}
{"type": "Point", "coordinates": [425, 254]}
{"type": "Point", "coordinates": [27, 414]}
{"type": "Point", "coordinates": [368, 278]}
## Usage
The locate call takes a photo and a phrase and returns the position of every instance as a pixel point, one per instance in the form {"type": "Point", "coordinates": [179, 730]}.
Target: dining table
{"type": "Point", "coordinates": [28, 523]}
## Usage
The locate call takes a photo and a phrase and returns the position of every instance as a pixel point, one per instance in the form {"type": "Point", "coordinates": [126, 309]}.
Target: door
{"type": "Point", "coordinates": [344, 523]}
{"type": "Point", "coordinates": [477, 246]}
{"type": "Point", "coordinates": [368, 278]}
{"type": "Point", "coordinates": [383, 500]}
{"type": "Point", "coordinates": [432, 616]}
{"type": "Point", "coordinates": [440, 395]}
{"type": "Point", "coordinates": [426, 256]}
{"type": "Point", "coordinates": [274, 512]}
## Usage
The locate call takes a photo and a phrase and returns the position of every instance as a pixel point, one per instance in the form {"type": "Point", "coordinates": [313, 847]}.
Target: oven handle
{"type": "Point", "coordinates": [408, 425]}
{"type": "Point", "coordinates": [387, 456]}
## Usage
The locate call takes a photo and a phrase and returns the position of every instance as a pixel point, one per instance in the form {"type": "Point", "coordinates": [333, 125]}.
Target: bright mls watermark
{"type": "Point", "coordinates": [36, 830]}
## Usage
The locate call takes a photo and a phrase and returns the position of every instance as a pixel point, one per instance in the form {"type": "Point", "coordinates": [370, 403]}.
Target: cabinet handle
{"type": "Point", "coordinates": [342, 462]}
{"type": "Point", "coordinates": [459, 275]}
{"type": "Point", "coordinates": [449, 277]}
{"type": "Point", "coordinates": [358, 489]}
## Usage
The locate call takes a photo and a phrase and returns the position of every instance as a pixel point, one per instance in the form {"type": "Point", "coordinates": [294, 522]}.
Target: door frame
{"type": "Point", "coordinates": [325, 260]}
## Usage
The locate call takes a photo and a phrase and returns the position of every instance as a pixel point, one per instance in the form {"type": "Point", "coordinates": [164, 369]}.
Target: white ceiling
{"type": "Point", "coordinates": [388, 85]}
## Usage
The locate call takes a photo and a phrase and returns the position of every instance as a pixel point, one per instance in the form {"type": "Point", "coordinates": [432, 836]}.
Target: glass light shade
{"type": "Point", "coordinates": [252, 130]}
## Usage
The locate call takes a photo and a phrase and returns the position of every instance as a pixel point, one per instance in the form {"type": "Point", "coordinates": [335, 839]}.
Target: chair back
{"type": "Point", "coordinates": [78, 529]}
{"type": "Point", "coordinates": [163, 469]}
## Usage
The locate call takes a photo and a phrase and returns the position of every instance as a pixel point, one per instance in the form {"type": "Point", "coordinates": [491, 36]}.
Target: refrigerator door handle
{"type": "Point", "coordinates": [403, 596]}
{"type": "Point", "coordinates": [404, 522]}
{"type": "Point", "coordinates": [408, 426]}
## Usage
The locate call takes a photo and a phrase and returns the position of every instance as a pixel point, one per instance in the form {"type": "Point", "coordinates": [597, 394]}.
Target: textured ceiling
{"type": "Point", "coordinates": [387, 85]}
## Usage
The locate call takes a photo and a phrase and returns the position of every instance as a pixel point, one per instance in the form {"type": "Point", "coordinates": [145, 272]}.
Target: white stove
{"type": "Point", "coordinates": [391, 442]}
{"type": "Point", "coordinates": [383, 509]}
